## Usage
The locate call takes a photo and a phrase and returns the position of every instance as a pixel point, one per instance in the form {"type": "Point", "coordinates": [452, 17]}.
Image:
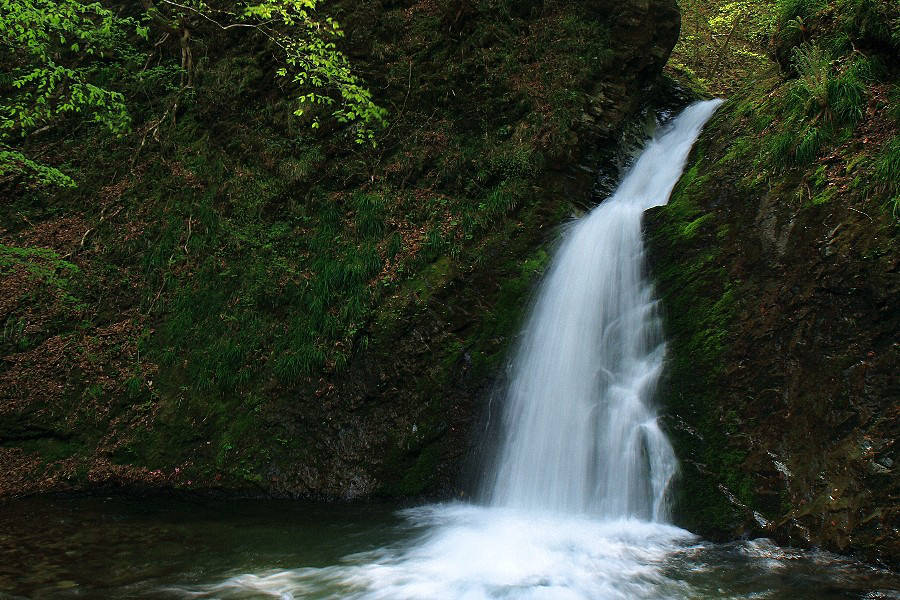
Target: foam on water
{"type": "Point", "coordinates": [472, 553]}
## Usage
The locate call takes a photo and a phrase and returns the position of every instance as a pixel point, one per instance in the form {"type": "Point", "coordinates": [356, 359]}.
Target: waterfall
{"type": "Point", "coordinates": [577, 497]}
{"type": "Point", "coordinates": [580, 433]}
{"type": "Point", "coordinates": [577, 508]}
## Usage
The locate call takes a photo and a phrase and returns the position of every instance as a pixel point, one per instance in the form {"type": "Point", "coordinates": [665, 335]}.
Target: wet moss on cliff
{"type": "Point", "coordinates": [698, 296]}
{"type": "Point", "coordinates": [777, 260]}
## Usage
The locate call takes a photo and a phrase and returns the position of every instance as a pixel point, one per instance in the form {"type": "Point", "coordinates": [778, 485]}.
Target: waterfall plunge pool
{"type": "Point", "coordinates": [581, 457]}
{"type": "Point", "coordinates": [91, 547]}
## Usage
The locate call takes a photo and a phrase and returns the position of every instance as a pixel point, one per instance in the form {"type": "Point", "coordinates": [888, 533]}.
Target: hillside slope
{"type": "Point", "coordinates": [233, 300]}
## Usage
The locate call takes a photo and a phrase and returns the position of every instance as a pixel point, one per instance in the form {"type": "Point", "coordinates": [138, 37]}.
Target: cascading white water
{"type": "Point", "coordinates": [578, 494]}
{"type": "Point", "coordinates": [580, 432]}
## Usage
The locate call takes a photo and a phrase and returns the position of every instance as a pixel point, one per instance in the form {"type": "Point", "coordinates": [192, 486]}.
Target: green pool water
{"type": "Point", "coordinates": [112, 547]}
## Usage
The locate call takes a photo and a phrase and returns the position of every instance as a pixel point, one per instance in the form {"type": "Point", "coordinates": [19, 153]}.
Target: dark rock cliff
{"type": "Point", "coordinates": [245, 305]}
{"type": "Point", "coordinates": [781, 293]}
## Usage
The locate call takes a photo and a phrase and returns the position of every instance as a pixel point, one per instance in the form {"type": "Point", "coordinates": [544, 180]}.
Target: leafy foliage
{"type": "Point", "coordinates": [723, 43]}
{"type": "Point", "coordinates": [41, 263]}
{"type": "Point", "coordinates": [56, 55]}
{"type": "Point", "coordinates": [65, 58]}
{"type": "Point", "coordinates": [266, 252]}
{"type": "Point", "coordinates": [305, 43]}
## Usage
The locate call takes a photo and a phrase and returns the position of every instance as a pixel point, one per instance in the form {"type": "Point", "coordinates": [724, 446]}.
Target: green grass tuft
{"type": "Point", "coordinates": [887, 172]}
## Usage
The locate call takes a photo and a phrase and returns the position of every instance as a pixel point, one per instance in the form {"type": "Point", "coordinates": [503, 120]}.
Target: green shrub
{"type": "Point", "coordinates": [793, 20]}
{"type": "Point", "coordinates": [846, 98]}
{"type": "Point", "coordinates": [369, 214]}
{"type": "Point", "coordinates": [870, 22]}
{"type": "Point", "coordinates": [822, 104]}
{"type": "Point", "coordinates": [780, 147]}
{"type": "Point", "coordinates": [809, 92]}
{"type": "Point", "coordinates": [887, 168]}
{"type": "Point", "coordinates": [810, 143]}
{"type": "Point", "coordinates": [893, 108]}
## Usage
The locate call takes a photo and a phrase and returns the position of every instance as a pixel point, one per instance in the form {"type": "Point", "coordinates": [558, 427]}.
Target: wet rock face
{"type": "Point", "coordinates": [646, 31]}
{"type": "Point", "coordinates": [782, 392]}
